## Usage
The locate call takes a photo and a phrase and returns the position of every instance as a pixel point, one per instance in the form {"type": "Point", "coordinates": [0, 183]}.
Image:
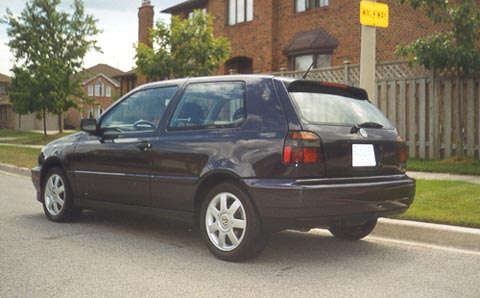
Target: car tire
{"type": "Point", "coordinates": [355, 232]}
{"type": "Point", "coordinates": [57, 197]}
{"type": "Point", "coordinates": [229, 224]}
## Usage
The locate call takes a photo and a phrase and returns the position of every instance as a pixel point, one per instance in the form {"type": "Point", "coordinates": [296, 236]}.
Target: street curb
{"type": "Point", "coordinates": [396, 229]}
{"type": "Point", "coordinates": [434, 234]}
{"type": "Point", "coordinates": [15, 170]}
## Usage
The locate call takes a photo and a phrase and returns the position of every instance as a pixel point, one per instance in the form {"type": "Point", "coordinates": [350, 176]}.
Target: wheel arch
{"type": "Point", "coordinates": [48, 164]}
{"type": "Point", "coordinates": [209, 181]}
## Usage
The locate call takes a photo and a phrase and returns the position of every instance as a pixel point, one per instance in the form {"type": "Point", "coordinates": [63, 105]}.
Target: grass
{"type": "Point", "coordinates": [7, 133]}
{"type": "Point", "coordinates": [454, 165]}
{"type": "Point", "coordinates": [447, 202]}
{"type": "Point", "coordinates": [29, 138]}
{"type": "Point", "coordinates": [19, 156]}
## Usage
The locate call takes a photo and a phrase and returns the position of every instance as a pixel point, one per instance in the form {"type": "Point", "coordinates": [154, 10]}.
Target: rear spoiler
{"type": "Point", "coordinates": [328, 88]}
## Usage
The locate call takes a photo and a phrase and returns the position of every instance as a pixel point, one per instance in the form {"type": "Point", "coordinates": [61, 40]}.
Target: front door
{"type": "Point", "coordinates": [116, 165]}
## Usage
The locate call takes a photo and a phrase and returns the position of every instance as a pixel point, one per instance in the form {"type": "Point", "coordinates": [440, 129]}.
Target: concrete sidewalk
{"type": "Point", "coordinates": [394, 229]}
{"type": "Point", "coordinates": [443, 176]}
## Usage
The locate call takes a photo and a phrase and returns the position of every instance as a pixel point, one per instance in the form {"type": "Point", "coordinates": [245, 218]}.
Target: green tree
{"type": "Point", "coordinates": [456, 48]}
{"type": "Point", "coordinates": [49, 46]}
{"type": "Point", "coordinates": [185, 48]}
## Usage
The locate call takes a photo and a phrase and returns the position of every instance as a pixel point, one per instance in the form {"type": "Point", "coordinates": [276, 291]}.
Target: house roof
{"type": "Point", "coordinates": [317, 40]}
{"type": "Point", "coordinates": [130, 73]}
{"type": "Point", "coordinates": [107, 71]}
{"type": "Point", "coordinates": [4, 78]}
{"type": "Point", "coordinates": [187, 5]}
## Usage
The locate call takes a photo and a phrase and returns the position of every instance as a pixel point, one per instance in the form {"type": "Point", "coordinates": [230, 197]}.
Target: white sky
{"type": "Point", "coordinates": [117, 18]}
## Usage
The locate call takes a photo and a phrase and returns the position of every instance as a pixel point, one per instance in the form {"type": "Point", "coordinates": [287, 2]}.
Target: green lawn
{"type": "Point", "coordinates": [448, 202]}
{"type": "Point", "coordinates": [29, 138]}
{"type": "Point", "coordinates": [465, 166]}
{"type": "Point", "coordinates": [19, 156]}
{"type": "Point", "coordinates": [7, 133]}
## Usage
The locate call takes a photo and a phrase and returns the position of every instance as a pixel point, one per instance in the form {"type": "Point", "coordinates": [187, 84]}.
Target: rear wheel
{"type": "Point", "coordinates": [353, 232]}
{"type": "Point", "coordinates": [229, 224]}
{"type": "Point", "coordinates": [57, 198]}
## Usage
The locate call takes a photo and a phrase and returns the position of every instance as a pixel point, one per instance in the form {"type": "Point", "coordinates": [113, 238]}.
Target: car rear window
{"type": "Point", "coordinates": [323, 108]}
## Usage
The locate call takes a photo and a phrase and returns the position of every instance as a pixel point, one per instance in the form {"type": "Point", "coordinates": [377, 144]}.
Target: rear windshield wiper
{"type": "Point", "coordinates": [370, 125]}
{"type": "Point", "coordinates": [357, 127]}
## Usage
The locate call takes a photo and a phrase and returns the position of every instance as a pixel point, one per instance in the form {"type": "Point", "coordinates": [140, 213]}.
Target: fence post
{"type": "Point", "coordinates": [346, 65]}
{"type": "Point", "coordinates": [434, 116]}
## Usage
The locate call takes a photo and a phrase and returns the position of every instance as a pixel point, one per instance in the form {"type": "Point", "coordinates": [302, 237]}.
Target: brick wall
{"type": "Point", "coordinates": [145, 23]}
{"type": "Point", "coordinates": [275, 23]}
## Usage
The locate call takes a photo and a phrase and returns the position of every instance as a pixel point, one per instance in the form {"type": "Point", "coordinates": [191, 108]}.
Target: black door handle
{"type": "Point", "coordinates": [145, 145]}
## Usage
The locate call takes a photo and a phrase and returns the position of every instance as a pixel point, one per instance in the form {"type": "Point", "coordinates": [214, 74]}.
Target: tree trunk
{"type": "Point", "coordinates": [460, 131]}
{"type": "Point", "coordinates": [60, 123]}
{"type": "Point", "coordinates": [44, 121]}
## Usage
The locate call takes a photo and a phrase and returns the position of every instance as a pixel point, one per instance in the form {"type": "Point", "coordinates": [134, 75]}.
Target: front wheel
{"type": "Point", "coordinates": [57, 198]}
{"type": "Point", "coordinates": [229, 224]}
{"type": "Point", "coordinates": [354, 232]}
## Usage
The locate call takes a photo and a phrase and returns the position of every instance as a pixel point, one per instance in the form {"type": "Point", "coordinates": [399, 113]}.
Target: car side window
{"type": "Point", "coordinates": [140, 112]}
{"type": "Point", "coordinates": [209, 106]}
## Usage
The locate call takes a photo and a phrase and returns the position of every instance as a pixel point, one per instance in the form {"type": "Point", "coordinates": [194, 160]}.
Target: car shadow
{"type": "Point", "coordinates": [287, 247]}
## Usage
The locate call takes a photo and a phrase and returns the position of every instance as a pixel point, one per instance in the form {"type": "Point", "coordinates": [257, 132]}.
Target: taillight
{"type": "Point", "coordinates": [402, 150]}
{"type": "Point", "coordinates": [302, 147]}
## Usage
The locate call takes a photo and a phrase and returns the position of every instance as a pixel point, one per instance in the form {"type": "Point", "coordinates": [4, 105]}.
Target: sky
{"type": "Point", "coordinates": [117, 18]}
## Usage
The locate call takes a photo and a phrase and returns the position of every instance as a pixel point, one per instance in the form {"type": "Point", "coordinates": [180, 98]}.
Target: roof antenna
{"type": "Point", "coordinates": [308, 70]}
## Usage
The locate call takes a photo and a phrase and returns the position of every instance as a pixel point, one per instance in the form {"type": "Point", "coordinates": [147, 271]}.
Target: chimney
{"type": "Point", "coordinates": [145, 22]}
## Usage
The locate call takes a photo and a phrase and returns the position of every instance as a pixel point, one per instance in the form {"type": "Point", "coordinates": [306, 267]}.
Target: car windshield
{"type": "Point", "coordinates": [320, 108]}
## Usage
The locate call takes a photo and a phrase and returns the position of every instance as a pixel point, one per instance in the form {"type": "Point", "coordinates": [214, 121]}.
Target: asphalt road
{"type": "Point", "coordinates": [117, 255]}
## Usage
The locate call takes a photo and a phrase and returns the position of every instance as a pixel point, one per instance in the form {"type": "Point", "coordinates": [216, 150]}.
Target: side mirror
{"type": "Point", "coordinates": [89, 125]}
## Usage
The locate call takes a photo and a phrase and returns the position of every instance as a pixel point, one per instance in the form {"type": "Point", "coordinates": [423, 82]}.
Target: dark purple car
{"type": "Point", "coordinates": [237, 156]}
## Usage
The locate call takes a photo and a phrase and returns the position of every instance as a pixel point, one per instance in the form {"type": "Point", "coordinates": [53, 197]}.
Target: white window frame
{"type": "Point", "coordinates": [99, 89]}
{"type": "Point", "coordinates": [90, 90]}
{"type": "Point", "coordinates": [239, 11]}
{"type": "Point", "coordinates": [108, 91]}
{"type": "Point", "coordinates": [304, 5]}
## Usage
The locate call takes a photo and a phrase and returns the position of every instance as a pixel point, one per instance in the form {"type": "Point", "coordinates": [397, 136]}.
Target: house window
{"type": "Point", "coordinates": [90, 90]}
{"type": "Point", "coordinates": [3, 88]}
{"type": "Point", "coordinates": [240, 11]}
{"type": "Point", "coordinates": [99, 89]}
{"type": "Point", "coordinates": [303, 62]}
{"type": "Point", "coordinates": [303, 5]}
{"type": "Point", "coordinates": [108, 91]}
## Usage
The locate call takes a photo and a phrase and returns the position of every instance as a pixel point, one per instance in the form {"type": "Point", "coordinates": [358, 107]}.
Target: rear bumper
{"type": "Point", "coordinates": [316, 202]}
{"type": "Point", "coordinates": [36, 175]}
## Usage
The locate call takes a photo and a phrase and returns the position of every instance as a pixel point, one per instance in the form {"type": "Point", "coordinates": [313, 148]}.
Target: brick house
{"type": "Point", "coordinates": [268, 35]}
{"type": "Point", "coordinates": [7, 116]}
{"type": "Point", "coordinates": [101, 89]}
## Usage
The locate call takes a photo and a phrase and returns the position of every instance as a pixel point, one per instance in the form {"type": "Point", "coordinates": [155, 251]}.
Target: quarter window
{"type": "Point", "coordinates": [303, 5]}
{"type": "Point", "coordinates": [210, 106]}
{"type": "Point", "coordinates": [141, 111]}
{"type": "Point", "coordinates": [240, 11]}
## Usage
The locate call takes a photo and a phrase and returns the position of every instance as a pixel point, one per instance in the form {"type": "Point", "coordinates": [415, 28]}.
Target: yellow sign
{"type": "Point", "coordinates": [373, 14]}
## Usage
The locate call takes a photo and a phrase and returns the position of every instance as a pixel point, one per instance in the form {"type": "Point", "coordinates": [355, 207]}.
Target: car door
{"type": "Point", "coordinates": [115, 164]}
{"type": "Point", "coordinates": [199, 133]}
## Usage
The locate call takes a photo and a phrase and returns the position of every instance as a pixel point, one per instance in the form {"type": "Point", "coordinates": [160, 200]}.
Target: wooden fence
{"type": "Point", "coordinates": [423, 108]}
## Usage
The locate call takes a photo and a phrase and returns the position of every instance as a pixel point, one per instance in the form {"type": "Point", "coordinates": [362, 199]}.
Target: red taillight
{"type": "Point", "coordinates": [402, 150]}
{"type": "Point", "coordinates": [302, 147]}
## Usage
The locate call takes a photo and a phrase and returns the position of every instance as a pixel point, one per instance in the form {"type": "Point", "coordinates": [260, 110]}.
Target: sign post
{"type": "Point", "coordinates": [372, 15]}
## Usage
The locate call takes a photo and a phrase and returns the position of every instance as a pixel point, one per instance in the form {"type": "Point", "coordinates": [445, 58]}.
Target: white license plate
{"type": "Point", "coordinates": [363, 155]}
